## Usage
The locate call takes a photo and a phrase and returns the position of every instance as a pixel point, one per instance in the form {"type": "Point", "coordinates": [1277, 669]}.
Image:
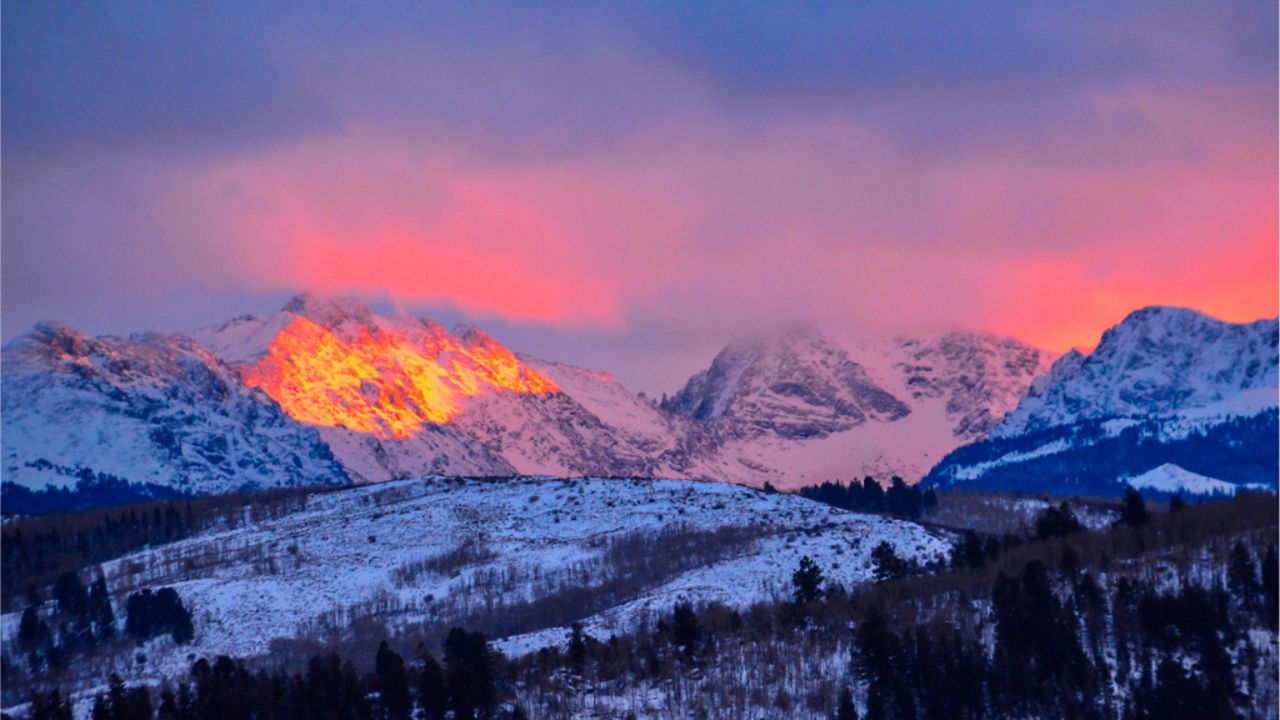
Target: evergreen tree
{"type": "Point", "coordinates": [433, 696]}
{"type": "Point", "coordinates": [888, 566]}
{"type": "Point", "coordinates": [872, 495]}
{"type": "Point", "coordinates": [1271, 587]}
{"type": "Point", "coordinates": [392, 684]}
{"type": "Point", "coordinates": [1176, 503]}
{"type": "Point", "coordinates": [1133, 509]}
{"type": "Point", "coordinates": [100, 608]}
{"type": "Point", "coordinates": [121, 703]}
{"type": "Point", "coordinates": [1242, 574]}
{"type": "Point", "coordinates": [807, 581]}
{"type": "Point", "coordinates": [149, 614]}
{"type": "Point", "coordinates": [967, 552]}
{"type": "Point", "coordinates": [29, 634]}
{"type": "Point", "coordinates": [71, 595]}
{"type": "Point", "coordinates": [930, 500]}
{"type": "Point", "coordinates": [577, 647]}
{"type": "Point", "coordinates": [469, 674]}
{"type": "Point", "coordinates": [686, 633]}
{"type": "Point", "coordinates": [1056, 522]}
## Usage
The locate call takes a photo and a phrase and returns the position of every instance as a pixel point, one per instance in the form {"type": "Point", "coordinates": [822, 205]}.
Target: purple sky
{"type": "Point", "coordinates": [629, 187]}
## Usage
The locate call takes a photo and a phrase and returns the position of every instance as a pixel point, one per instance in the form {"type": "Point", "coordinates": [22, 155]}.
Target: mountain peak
{"type": "Point", "coordinates": [1158, 361]}
{"type": "Point", "coordinates": [328, 310]}
{"type": "Point", "coordinates": [794, 382]}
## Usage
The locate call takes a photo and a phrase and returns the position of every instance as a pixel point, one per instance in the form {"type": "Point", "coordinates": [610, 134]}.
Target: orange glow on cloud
{"type": "Point", "coordinates": [1062, 304]}
{"type": "Point", "coordinates": [707, 233]}
{"type": "Point", "coordinates": [389, 382]}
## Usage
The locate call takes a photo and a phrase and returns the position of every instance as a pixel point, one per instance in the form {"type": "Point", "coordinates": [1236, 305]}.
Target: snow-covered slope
{"type": "Point", "coordinates": [1169, 478]}
{"type": "Point", "coordinates": [797, 384]}
{"type": "Point", "coordinates": [1166, 385]}
{"type": "Point", "coordinates": [397, 397]}
{"type": "Point", "coordinates": [149, 409]}
{"type": "Point", "coordinates": [798, 408]}
{"type": "Point", "coordinates": [382, 554]}
{"type": "Point", "coordinates": [1157, 361]}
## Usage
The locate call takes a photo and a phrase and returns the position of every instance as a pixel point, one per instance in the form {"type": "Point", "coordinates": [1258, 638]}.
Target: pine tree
{"type": "Point", "coordinates": [469, 674]}
{"type": "Point", "coordinates": [1133, 509]}
{"type": "Point", "coordinates": [577, 647]}
{"type": "Point", "coordinates": [888, 566]}
{"type": "Point", "coordinates": [71, 595]}
{"type": "Point", "coordinates": [1176, 503]}
{"type": "Point", "coordinates": [686, 632]}
{"type": "Point", "coordinates": [51, 706]}
{"type": "Point", "coordinates": [100, 608]}
{"type": "Point", "coordinates": [967, 552]}
{"type": "Point", "coordinates": [1242, 574]}
{"type": "Point", "coordinates": [29, 629]}
{"type": "Point", "coordinates": [1056, 522]}
{"type": "Point", "coordinates": [807, 581]}
{"type": "Point", "coordinates": [433, 696]}
{"type": "Point", "coordinates": [392, 683]}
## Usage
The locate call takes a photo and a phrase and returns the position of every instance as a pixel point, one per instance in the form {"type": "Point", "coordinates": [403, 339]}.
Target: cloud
{"type": "Point", "coordinates": [647, 178]}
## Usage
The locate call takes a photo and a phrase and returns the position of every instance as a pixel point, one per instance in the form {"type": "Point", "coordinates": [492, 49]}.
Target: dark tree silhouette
{"type": "Point", "coordinates": [807, 581]}
{"type": "Point", "coordinates": [1056, 522]}
{"type": "Point", "coordinates": [888, 566]}
{"type": "Point", "coordinates": [686, 632]}
{"type": "Point", "coordinates": [392, 684]}
{"type": "Point", "coordinates": [1133, 509]}
{"type": "Point", "coordinates": [433, 695]}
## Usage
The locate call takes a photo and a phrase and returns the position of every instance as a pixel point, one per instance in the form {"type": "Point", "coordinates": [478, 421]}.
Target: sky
{"type": "Point", "coordinates": [630, 185]}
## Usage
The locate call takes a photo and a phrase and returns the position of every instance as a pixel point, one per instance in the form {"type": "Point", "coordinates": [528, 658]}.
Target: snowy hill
{"type": "Point", "coordinates": [519, 559]}
{"type": "Point", "coordinates": [1166, 385]}
{"type": "Point", "coordinates": [156, 411]}
{"type": "Point", "coordinates": [1169, 478]}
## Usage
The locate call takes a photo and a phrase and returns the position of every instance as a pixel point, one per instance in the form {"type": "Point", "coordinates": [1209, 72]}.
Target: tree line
{"type": "Point", "coordinates": [908, 501]}
{"type": "Point", "coordinates": [35, 550]}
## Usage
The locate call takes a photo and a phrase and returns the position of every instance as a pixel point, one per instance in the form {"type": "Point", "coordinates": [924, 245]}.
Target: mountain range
{"type": "Point", "coordinates": [325, 391]}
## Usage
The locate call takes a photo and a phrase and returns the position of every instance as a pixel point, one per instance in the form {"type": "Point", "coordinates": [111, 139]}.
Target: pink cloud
{"type": "Point", "coordinates": [724, 229]}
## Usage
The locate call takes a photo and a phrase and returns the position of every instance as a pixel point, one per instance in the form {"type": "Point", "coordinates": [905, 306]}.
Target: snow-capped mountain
{"type": "Point", "coordinates": [398, 397]}
{"type": "Point", "coordinates": [157, 412]}
{"type": "Point", "coordinates": [799, 408]}
{"type": "Point", "coordinates": [1157, 361]}
{"type": "Point", "coordinates": [1166, 385]}
{"type": "Point", "coordinates": [797, 384]}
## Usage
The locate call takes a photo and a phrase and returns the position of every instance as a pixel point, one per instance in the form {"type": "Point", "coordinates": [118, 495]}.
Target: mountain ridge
{"type": "Point", "coordinates": [398, 397]}
{"type": "Point", "coordinates": [1165, 386]}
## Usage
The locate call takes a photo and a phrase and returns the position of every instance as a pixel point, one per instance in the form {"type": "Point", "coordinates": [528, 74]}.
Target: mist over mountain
{"type": "Point", "coordinates": [381, 398]}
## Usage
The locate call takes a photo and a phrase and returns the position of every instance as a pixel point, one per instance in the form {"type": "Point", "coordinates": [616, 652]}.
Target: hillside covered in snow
{"type": "Point", "coordinates": [520, 559]}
